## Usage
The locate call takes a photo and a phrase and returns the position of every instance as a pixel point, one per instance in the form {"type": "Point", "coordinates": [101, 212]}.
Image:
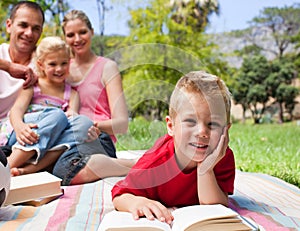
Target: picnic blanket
{"type": "Point", "coordinates": [270, 202]}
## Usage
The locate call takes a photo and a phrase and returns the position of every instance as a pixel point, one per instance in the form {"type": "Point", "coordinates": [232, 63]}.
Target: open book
{"type": "Point", "coordinates": [190, 218]}
{"type": "Point", "coordinates": [34, 189]}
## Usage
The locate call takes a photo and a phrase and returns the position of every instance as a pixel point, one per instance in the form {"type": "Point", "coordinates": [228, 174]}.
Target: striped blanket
{"type": "Point", "coordinates": [269, 201]}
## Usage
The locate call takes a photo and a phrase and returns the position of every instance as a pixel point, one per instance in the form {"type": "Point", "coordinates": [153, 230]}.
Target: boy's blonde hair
{"type": "Point", "coordinates": [49, 45]}
{"type": "Point", "coordinates": [209, 86]}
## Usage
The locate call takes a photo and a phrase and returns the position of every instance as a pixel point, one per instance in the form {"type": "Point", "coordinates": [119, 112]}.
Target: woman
{"type": "Point", "coordinates": [98, 82]}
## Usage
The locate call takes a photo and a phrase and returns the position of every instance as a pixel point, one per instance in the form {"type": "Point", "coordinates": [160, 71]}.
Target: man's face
{"type": "Point", "coordinates": [25, 30]}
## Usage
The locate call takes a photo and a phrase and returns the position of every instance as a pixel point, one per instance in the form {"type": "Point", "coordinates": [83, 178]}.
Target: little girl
{"type": "Point", "coordinates": [50, 99]}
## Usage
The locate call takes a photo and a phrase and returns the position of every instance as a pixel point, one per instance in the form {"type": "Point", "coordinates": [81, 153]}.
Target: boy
{"type": "Point", "coordinates": [190, 165]}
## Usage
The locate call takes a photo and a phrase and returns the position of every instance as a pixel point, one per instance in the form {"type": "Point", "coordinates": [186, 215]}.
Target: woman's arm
{"type": "Point", "coordinates": [74, 103]}
{"type": "Point", "coordinates": [119, 114]}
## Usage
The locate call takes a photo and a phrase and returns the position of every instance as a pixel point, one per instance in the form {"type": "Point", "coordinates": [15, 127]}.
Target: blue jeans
{"type": "Point", "coordinates": [51, 123]}
{"type": "Point", "coordinates": [75, 158]}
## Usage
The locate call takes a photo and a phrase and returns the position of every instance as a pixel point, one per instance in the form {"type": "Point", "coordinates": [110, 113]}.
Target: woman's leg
{"type": "Point", "coordinates": [100, 166]}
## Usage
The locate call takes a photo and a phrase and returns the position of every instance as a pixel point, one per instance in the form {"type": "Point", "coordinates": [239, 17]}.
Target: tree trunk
{"type": "Point", "coordinates": [280, 113]}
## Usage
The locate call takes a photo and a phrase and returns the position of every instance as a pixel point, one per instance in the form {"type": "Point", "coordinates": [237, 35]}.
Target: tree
{"type": "Point", "coordinates": [199, 11]}
{"type": "Point", "coordinates": [164, 47]}
{"type": "Point", "coordinates": [3, 17]}
{"type": "Point", "coordinates": [258, 81]}
{"type": "Point", "coordinates": [278, 83]}
{"type": "Point", "coordinates": [279, 25]}
{"type": "Point", "coordinates": [249, 89]}
{"type": "Point", "coordinates": [285, 95]}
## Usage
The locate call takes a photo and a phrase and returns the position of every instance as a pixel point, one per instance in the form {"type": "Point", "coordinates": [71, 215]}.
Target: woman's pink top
{"type": "Point", "coordinates": [93, 96]}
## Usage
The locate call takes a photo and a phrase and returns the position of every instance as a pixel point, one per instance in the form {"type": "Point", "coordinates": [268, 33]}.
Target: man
{"type": "Point", "coordinates": [24, 26]}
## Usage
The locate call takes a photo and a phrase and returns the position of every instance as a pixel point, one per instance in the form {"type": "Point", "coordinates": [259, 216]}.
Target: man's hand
{"type": "Point", "coordinates": [19, 71]}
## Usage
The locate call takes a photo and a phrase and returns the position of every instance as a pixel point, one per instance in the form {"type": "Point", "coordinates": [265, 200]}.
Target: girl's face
{"type": "Point", "coordinates": [55, 66]}
{"type": "Point", "coordinates": [78, 36]}
{"type": "Point", "coordinates": [196, 129]}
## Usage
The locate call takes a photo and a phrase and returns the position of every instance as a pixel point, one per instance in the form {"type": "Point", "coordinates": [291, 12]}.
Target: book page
{"type": "Point", "coordinates": [117, 221]}
{"type": "Point", "coordinates": [186, 216]}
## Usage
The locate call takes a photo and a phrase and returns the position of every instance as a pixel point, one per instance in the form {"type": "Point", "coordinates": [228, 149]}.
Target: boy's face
{"type": "Point", "coordinates": [196, 129]}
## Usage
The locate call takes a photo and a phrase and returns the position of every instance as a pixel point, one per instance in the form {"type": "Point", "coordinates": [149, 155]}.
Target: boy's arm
{"type": "Point", "coordinates": [209, 191]}
{"type": "Point", "coordinates": [140, 206]}
{"type": "Point", "coordinates": [24, 133]}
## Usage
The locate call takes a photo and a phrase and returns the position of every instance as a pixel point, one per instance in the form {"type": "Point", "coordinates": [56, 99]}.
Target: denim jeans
{"type": "Point", "coordinates": [51, 123]}
{"type": "Point", "coordinates": [75, 158]}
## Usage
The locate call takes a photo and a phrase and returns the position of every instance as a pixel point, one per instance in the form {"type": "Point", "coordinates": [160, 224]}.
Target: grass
{"type": "Point", "coordinates": [266, 148]}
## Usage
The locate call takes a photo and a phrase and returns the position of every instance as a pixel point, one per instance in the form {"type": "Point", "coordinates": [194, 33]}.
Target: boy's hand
{"type": "Point", "coordinates": [150, 209]}
{"type": "Point", "coordinates": [212, 159]}
{"type": "Point", "coordinates": [25, 134]}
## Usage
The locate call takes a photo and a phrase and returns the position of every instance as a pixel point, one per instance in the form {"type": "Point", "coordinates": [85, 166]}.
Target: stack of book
{"type": "Point", "coordinates": [34, 189]}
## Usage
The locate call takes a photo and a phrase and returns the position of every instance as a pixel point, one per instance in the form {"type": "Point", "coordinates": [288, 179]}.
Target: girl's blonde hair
{"type": "Point", "coordinates": [49, 45]}
{"type": "Point", "coordinates": [208, 86]}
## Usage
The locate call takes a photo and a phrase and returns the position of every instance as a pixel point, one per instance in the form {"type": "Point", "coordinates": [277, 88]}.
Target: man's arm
{"type": "Point", "coordinates": [19, 71]}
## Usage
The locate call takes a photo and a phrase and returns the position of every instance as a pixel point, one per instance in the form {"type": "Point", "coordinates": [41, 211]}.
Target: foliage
{"type": "Point", "coordinates": [161, 48]}
{"type": "Point", "coordinates": [271, 149]}
{"type": "Point", "coordinates": [258, 81]}
{"type": "Point", "coordinates": [249, 90]}
{"type": "Point", "coordinates": [3, 16]}
{"type": "Point", "coordinates": [282, 24]}
{"type": "Point", "coordinates": [196, 11]}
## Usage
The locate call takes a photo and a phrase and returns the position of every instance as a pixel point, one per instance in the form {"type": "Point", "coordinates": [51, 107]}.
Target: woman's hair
{"type": "Point", "coordinates": [49, 45]}
{"type": "Point", "coordinates": [208, 86]}
{"type": "Point", "coordinates": [76, 14]}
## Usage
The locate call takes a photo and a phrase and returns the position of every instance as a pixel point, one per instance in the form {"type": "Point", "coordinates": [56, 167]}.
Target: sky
{"type": "Point", "coordinates": [234, 14]}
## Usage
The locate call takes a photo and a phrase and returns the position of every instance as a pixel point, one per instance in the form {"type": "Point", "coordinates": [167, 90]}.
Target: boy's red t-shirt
{"type": "Point", "coordinates": [157, 176]}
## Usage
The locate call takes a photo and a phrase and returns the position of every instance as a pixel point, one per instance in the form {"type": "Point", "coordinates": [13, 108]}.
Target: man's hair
{"type": "Point", "coordinates": [49, 45]}
{"type": "Point", "coordinates": [32, 5]}
{"type": "Point", "coordinates": [76, 14]}
{"type": "Point", "coordinates": [209, 86]}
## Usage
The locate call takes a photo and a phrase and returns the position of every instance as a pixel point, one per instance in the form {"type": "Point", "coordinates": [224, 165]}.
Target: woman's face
{"type": "Point", "coordinates": [78, 36]}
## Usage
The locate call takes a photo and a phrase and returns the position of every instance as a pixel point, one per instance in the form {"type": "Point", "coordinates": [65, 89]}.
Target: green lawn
{"type": "Point", "coordinates": [267, 148]}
